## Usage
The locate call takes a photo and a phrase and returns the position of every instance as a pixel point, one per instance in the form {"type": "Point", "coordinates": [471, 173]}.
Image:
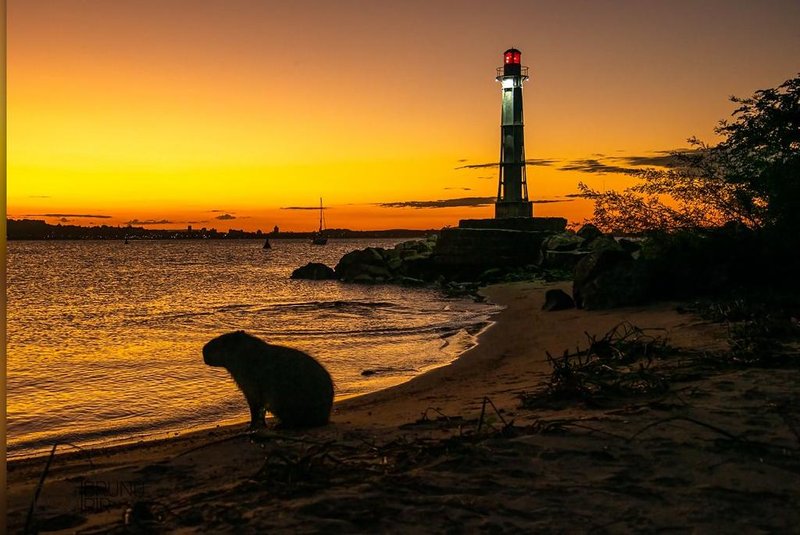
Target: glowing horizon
{"type": "Point", "coordinates": [167, 111]}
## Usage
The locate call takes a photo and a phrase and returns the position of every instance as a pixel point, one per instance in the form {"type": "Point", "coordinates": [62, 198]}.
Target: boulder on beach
{"type": "Point", "coordinates": [314, 271]}
{"type": "Point", "coordinates": [604, 242]}
{"type": "Point", "coordinates": [557, 300]}
{"type": "Point", "coordinates": [610, 278]}
{"type": "Point", "coordinates": [407, 260]}
{"type": "Point", "coordinates": [589, 232]}
{"type": "Point", "coordinates": [370, 262]}
{"type": "Point", "coordinates": [566, 260]}
{"type": "Point", "coordinates": [564, 241]}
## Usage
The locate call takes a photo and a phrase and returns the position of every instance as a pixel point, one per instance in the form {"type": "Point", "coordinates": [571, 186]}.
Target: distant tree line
{"type": "Point", "coordinates": [34, 229]}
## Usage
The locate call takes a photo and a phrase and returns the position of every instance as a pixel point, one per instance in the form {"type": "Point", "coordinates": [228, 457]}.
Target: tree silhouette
{"type": "Point", "coordinates": [752, 176]}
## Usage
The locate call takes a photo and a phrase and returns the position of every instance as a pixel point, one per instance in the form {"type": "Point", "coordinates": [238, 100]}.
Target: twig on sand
{"type": "Point", "coordinates": [425, 417]}
{"type": "Point", "coordinates": [731, 436]}
{"type": "Point", "coordinates": [32, 508]}
{"type": "Point", "coordinates": [687, 419]}
{"type": "Point", "coordinates": [486, 400]}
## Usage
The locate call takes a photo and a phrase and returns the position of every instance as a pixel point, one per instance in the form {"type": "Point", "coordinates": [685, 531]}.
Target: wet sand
{"type": "Point", "coordinates": [453, 450]}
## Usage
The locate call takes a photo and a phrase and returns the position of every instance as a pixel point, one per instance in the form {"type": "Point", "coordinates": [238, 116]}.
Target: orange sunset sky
{"type": "Point", "coordinates": [233, 114]}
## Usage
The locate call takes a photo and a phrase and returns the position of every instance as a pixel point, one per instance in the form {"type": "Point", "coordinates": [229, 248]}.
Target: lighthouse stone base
{"type": "Point", "coordinates": [481, 244]}
{"type": "Point", "coordinates": [506, 209]}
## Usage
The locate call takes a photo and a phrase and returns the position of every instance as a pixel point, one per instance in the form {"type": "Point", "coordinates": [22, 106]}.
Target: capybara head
{"type": "Point", "coordinates": [217, 351]}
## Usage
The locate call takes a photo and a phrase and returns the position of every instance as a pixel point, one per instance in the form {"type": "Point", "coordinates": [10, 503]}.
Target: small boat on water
{"type": "Point", "coordinates": [319, 237]}
{"type": "Point", "coordinates": [267, 245]}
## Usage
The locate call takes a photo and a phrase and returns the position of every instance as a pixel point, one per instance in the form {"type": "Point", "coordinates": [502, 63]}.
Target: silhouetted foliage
{"type": "Point", "coordinates": [752, 176]}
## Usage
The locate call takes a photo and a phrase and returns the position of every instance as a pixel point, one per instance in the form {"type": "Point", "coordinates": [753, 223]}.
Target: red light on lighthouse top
{"type": "Point", "coordinates": [512, 56]}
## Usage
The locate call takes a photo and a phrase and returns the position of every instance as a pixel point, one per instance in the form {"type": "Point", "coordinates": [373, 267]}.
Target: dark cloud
{"type": "Point", "coordinates": [462, 189]}
{"type": "Point", "coordinates": [462, 160]}
{"type": "Point", "coordinates": [150, 222]}
{"type": "Point", "coordinates": [445, 203]}
{"type": "Point", "coordinates": [85, 216]}
{"type": "Point", "coordinates": [302, 208]}
{"type": "Point", "coordinates": [225, 217]}
{"type": "Point", "coordinates": [548, 201]}
{"type": "Point", "coordinates": [661, 158]}
{"type": "Point", "coordinates": [533, 161]}
{"type": "Point", "coordinates": [218, 211]}
{"type": "Point", "coordinates": [619, 164]}
{"type": "Point", "coordinates": [595, 166]}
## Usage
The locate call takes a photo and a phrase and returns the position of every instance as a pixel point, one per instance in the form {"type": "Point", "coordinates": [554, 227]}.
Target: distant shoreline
{"type": "Point", "coordinates": [39, 230]}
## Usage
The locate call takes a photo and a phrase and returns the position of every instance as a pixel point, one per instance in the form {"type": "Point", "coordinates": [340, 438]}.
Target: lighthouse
{"type": "Point", "coordinates": [512, 188]}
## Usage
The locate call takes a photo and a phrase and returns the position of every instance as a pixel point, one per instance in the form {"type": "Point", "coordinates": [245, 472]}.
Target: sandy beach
{"type": "Point", "coordinates": [454, 450]}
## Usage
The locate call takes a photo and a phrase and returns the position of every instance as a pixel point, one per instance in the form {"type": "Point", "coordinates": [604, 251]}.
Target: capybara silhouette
{"type": "Point", "coordinates": [286, 382]}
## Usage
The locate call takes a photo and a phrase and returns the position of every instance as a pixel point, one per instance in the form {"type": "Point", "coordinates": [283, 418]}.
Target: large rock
{"type": "Point", "coordinates": [564, 241]}
{"type": "Point", "coordinates": [407, 260]}
{"type": "Point", "coordinates": [630, 246]}
{"type": "Point", "coordinates": [565, 260]}
{"type": "Point", "coordinates": [557, 300]}
{"type": "Point", "coordinates": [604, 243]}
{"type": "Point", "coordinates": [419, 266]}
{"type": "Point", "coordinates": [414, 247]}
{"type": "Point", "coordinates": [589, 232]}
{"type": "Point", "coordinates": [610, 278]}
{"type": "Point", "coordinates": [314, 271]}
{"type": "Point", "coordinates": [370, 261]}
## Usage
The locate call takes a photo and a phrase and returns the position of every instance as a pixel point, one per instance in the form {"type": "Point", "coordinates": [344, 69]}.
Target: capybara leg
{"type": "Point", "coordinates": [257, 413]}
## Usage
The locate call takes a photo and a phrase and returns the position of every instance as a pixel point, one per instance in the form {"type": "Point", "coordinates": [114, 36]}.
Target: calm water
{"type": "Point", "coordinates": [104, 339]}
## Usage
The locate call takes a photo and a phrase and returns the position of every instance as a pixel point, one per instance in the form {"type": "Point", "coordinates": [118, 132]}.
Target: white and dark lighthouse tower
{"type": "Point", "coordinates": [512, 189]}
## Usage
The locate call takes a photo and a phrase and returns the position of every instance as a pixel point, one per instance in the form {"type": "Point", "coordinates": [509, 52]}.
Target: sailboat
{"type": "Point", "coordinates": [319, 237]}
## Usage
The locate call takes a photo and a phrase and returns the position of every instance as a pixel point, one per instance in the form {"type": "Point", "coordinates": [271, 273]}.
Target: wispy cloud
{"type": "Point", "coordinates": [145, 222]}
{"type": "Point", "coordinates": [83, 216]}
{"type": "Point", "coordinates": [596, 163]}
{"type": "Point", "coordinates": [225, 217]}
{"type": "Point", "coordinates": [38, 196]}
{"type": "Point", "coordinates": [302, 208]}
{"type": "Point", "coordinates": [541, 162]}
{"type": "Point", "coordinates": [595, 166]}
{"type": "Point", "coordinates": [444, 203]}
{"type": "Point", "coordinates": [549, 201]}
{"type": "Point", "coordinates": [602, 164]}
{"type": "Point", "coordinates": [662, 158]}
{"type": "Point", "coordinates": [462, 189]}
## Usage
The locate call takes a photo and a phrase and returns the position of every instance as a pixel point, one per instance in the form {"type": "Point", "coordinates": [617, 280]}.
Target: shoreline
{"type": "Point", "coordinates": [411, 456]}
{"type": "Point", "coordinates": [68, 450]}
{"type": "Point", "coordinates": [354, 403]}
